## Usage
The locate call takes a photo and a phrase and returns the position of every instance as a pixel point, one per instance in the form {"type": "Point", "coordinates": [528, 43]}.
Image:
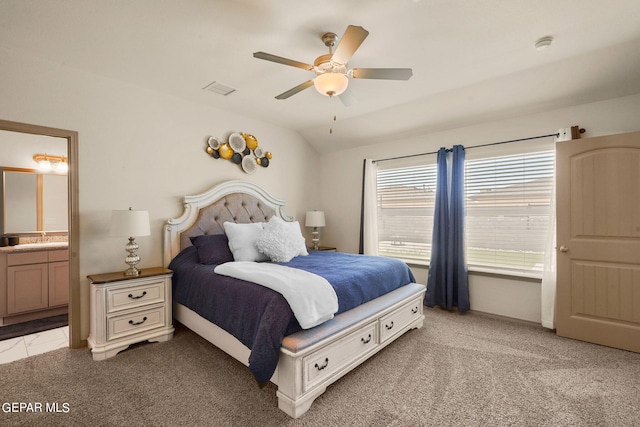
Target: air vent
{"type": "Point", "coordinates": [217, 87]}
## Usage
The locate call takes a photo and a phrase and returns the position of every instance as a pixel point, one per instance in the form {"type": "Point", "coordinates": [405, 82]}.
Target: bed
{"type": "Point", "coordinates": [256, 324]}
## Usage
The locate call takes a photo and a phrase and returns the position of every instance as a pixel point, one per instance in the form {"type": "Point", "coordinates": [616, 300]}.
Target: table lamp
{"type": "Point", "coordinates": [315, 219]}
{"type": "Point", "coordinates": [130, 223]}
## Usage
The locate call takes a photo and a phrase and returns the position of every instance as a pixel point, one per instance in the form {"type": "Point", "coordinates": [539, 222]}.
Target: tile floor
{"type": "Point", "coordinates": [30, 345]}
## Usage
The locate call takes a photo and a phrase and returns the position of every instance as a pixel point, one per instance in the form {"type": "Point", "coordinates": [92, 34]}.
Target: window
{"type": "Point", "coordinates": [405, 202]}
{"type": "Point", "coordinates": [508, 202]}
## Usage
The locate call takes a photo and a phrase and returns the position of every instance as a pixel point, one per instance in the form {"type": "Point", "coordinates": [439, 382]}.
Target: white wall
{"type": "Point", "coordinates": [143, 149]}
{"type": "Point", "coordinates": [17, 149]}
{"type": "Point", "coordinates": [341, 181]}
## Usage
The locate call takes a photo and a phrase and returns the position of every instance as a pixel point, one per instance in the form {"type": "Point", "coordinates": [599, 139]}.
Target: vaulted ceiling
{"type": "Point", "coordinates": [472, 60]}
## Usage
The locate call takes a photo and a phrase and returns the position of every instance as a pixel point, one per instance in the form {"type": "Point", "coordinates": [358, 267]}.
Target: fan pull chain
{"type": "Point", "coordinates": [334, 115]}
{"type": "Point", "coordinates": [331, 129]}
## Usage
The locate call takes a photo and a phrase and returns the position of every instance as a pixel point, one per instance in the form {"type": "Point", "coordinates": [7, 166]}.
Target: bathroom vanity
{"type": "Point", "coordinates": [34, 281]}
{"type": "Point", "coordinates": [38, 218]}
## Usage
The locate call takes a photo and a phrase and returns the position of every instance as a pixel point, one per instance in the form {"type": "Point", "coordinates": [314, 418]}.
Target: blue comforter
{"type": "Point", "coordinates": [260, 317]}
{"type": "Point", "coordinates": [356, 278]}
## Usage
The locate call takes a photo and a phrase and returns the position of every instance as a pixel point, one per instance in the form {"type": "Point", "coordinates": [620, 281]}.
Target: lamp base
{"type": "Point", "coordinates": [132, 271]}
{"type": "Point", "coordinates": [315, 239]}
{"type": "Point", "coordinates": [132, 259]}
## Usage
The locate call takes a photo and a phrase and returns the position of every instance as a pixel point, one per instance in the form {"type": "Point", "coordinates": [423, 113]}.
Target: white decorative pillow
{"type": "Point", "coordinates": [280, 241]}
{"type": "Point", "coordinates": [294, 229]}
{"type": "Point", "coordinates": [242, 240]}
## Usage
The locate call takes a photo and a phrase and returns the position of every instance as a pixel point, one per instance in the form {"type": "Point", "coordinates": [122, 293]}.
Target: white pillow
{"type": "Point", "coordinates": [281, 241]}
{"type": "Point", "coordinates": [294, 229]}
{"type": "Point", "coordinates": [242, 240]}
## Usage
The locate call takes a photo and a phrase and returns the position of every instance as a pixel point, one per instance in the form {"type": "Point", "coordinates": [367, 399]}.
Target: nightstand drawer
{"type": "Point", "coordinates": [324, 248]}
{"type": "Point", "coordinates": [150, 292]}
{"type": "Point", "coordinates": [133, 323]}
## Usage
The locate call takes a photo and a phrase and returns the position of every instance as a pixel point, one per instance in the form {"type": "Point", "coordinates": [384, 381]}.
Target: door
{"type": "Point", "coordinates": [27, 288]}
{"type": "Point", "coordinates": [58, 283]}
{"type": "Point", "coordinates": [598, 220]}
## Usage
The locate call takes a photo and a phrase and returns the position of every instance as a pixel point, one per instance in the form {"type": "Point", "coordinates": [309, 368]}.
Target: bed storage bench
{"type": "Point", "coordinates": [329, 351]}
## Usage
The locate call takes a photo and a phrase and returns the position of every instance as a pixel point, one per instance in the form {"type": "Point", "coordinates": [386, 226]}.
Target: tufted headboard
{"type": "Point", "coordinates": [236, 201]}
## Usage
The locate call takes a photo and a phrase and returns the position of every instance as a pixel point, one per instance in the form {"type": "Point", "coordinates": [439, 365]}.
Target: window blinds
{"type": "Point", "coordinates": [507, 210]}
{"type": "Point", "coordinates": [405, 201]}
{"type": "Point", "coordinates": [508, 199]}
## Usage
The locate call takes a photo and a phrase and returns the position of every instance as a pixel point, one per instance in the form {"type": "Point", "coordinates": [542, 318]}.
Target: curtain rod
{"type": "Point", "coordinates": [557, 134]}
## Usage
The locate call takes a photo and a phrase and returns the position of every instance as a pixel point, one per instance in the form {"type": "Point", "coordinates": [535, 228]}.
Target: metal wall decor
{"type": "Point", "coordinates": [242, 149]}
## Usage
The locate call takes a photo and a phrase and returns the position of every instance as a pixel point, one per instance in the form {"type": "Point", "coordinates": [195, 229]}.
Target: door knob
{"type": "Point", "coordinates": [564, 249]}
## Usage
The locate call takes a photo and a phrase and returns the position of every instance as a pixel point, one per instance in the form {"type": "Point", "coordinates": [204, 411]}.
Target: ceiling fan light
{"type": "Point", "coordinates": [331, 84]}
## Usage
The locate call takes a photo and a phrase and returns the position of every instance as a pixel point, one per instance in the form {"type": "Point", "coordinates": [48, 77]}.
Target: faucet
{"type": "Point", "coordinates": [43, 236]}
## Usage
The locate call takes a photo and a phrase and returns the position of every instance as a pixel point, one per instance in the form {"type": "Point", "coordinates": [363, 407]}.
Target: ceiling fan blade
{"type": "Point", "coordinates": [382, 73]}
{"type": "Point", "coordinates": [281, 60]}
{"type": "Point", "coordinates": [350, 42]}
{"type": "Point", "coordinates": [293, 91]}
{"type": "Point", "coordinates": [347, 98]}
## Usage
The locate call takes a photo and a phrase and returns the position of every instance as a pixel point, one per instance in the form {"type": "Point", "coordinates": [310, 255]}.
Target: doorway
{"type": "Point", "coordinates": [598, 223]}
{"type": "Point", "coordinates": [75, 338]}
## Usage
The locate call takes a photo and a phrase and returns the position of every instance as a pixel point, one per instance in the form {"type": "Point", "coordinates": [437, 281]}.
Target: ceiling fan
{"type": "Point", "coordinates": [332, 73]}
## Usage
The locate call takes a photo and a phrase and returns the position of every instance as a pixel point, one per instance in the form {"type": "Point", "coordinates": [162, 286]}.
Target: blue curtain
{"type": "Point", "coordinates": [448, 282]}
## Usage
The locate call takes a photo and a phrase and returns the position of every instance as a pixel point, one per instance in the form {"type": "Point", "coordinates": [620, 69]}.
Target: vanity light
{"type": "Point", "coordinates": [63, 166]}
{"type": "Point", "coordinates": [47, 162]}
{"type": "Point", "coordinates": [44, 165]}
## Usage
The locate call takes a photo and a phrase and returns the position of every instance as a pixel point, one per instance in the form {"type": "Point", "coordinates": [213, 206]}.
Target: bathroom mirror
{"type": "Point", "coordinates": [33, 202]}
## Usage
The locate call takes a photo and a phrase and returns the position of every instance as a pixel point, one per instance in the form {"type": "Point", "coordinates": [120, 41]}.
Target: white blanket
{"type": "Point", "coordinates": [311, 298]}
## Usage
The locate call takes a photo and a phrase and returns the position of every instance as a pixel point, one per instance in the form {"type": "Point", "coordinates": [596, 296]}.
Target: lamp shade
{"type": "Point", "coordinates": [331, 84]}
{"type": "Point", "coordinates": [314, 219]}
{"type": "Point", "coordinates": [130, 223]}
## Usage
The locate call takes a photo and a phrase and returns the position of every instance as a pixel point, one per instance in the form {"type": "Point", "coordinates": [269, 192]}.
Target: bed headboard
{"type": "Point", "coordinates": [236, 201]}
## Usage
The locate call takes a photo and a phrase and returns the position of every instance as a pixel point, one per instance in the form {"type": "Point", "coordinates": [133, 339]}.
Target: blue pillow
{"type": "Point", "coordinates": [212, 249]}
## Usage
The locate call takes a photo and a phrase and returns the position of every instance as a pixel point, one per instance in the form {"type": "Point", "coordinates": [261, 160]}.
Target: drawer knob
{"type": "Point", "coordinates": [137, 297]}
{"type": "Point", "coordinates": [324, 365]}
{"type": "Point", "coordinates": [389, 326]}
{"type": "Point", "coordinates": [366, 341]}
{"type": "Point", "coordinates": [131, 322]}
{"type": "Point", "coordinates": [414, 310]}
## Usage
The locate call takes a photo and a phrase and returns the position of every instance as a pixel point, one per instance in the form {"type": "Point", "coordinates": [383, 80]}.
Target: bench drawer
{"type": "Point", "coordinates": [394, 322]}
{"type": "Point", "coordinates": [324, 362]}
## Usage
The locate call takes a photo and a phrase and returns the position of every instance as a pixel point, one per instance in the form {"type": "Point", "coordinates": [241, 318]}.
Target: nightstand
{"type": "Point", "coordinates": [324, 248]}
{"type": "Point", "coordinates": [129, 309]}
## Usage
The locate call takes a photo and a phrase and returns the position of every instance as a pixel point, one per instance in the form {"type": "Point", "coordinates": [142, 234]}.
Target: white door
{"type": "Point", "coordinates": [598, 220]}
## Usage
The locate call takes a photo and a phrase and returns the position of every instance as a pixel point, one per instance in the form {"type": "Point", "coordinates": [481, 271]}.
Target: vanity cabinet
{"type": "Point", "coordinates": [36, 281]}
{"type": "Point", "coordinates": [58, 278]}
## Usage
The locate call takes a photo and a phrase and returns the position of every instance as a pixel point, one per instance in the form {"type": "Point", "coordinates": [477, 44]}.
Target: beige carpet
{"type": "Point", "coordinates": [459, 370]}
